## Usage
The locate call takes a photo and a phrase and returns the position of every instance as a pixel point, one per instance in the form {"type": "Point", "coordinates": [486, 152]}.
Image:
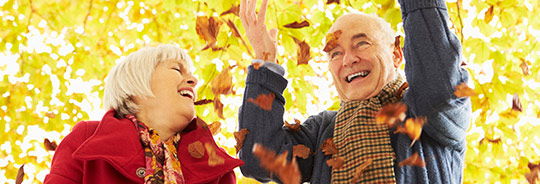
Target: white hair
{"type": "Point", "coordinates": [132, 76]}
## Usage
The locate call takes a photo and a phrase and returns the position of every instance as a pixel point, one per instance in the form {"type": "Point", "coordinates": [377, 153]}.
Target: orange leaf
{"type": "Point", "coordinates": [335, 162]}
{"type": "Point", "coordinates": [208, 29]}
{"type": "Point", "coordinates": [218, 108]}
{"type": "Point", "coordinates": [50, 115]}
{"type": "Point", "coordinates": [50, 146]}
{"type": "Point", "coordinates": [215, 127]}
{"type": "Point", "coordinates": [256, 66]}
{"type": "Point", "coordinates": [196, 149]}
{"type": "Point", "coordinates": [462, 90]}
{"type": "Point", "coordinates": [264, 101]}
{"type": "Point", "coordinates": [328, 147]}
{"type": "Point", "coordinates": [239, 137]}
{"type": "Point", "coordinates": [332, 1]}
{"type": "Point", "coordinates": [203, 102]}
{"type": "Point", "coordinates": [20, 175]}
{"type": "Point", "coordinates": [213, 158]}
{"type": "Point", "coordinates": [222, 83]}
{"type": "Point", "coordinates": [302, 53]}
{"type": "Point", "coordinates": [360, 170]}
{"type": "Point", "coordinates": [525, 68]}
{"type": "Point", "coordinates": [297, 25]}
{"type": "Point", "coordinates": [413, 128]}
{"type": "Point", "coordinates": [301, 151]}
{"type": "Point", "coordinates": [533, 177]}
{"type": "Point", "coordinates": [516, 103]}
{"type": "Point", "coordinates": [234, 10]}
{"type": "Point", "coordinates": [391, 114]}
{"type": "Point", "coordinates": [413, 160]}
{"type": "Point", "coordinates": [288, 172]}
{"type": "Point", "coordinates": [488, 16]}
{"type": "Point", "coordinates": [292, 127]}
{"type": "Point", "coordinates": [332, 39]}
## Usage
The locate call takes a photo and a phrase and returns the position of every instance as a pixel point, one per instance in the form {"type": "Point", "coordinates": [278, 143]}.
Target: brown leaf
{"type": "Point", "coordinates": [328, 147]}
{"type": "Point", "coordinates": [360, 170]}
{"type": "Point", "coordinates": [302, 53]}
{"type": "Point", "coordinates": [208, 28]}
{"type": "Point", "coordinates": [20, 175]}
{"type": "Point", "coordinates": [196, 149]}
{"type": "Point", "coordinates": [213, 158]}
{"type": "Point", "coordinates": [413, 128]}
{"type": "Point", "coordinates": [297, 24]}
{"type": "Point", "coordinates": [516, 103]}
{"type": "Point", "coordinates": [397, 41]}
{"type": "Point", "coordinates": [234, 10]}
{"type": "Point", "coordinates": [218, 108]}
{"type": "Point", "coordinates": [413, 160]}
{"type": "Point", "coordinates": [332, 40]}
{"type": "Point", "coordinates": [488, 16]}
{"type": "Point", "coordinates": [292, 127]}
{"type": "Point", "coordinates": [335, 162]}
{"type": "Point", "coordinates": [288, 172]}
{"type": "Point", "coordinates": [222, 83]}
{"type": "Point", "coordinates": [525, 68]}
{"type": "Point", "coordinates": [215, 127]}
{"type": "Point", "coordinates": [391, 114]}
{"type": "Point", "coordinates": [333, 1]}
{"type": "Point", "coordinates": [203, 102]}
{"type": "Point", "coordinates": [50, 115]}
{"type": "Point", "coordinates": [50, 146]}
{"type": "Point", "coordinates": [462, 90]}
{"type": "Point", "coordinates": [301, 151]}
{"type": "Point", "coordinates": [239, 137]}
{"type": "Point", "coordinates": [233, 28]}
{"type": "Point", "coordinates": [264, 101]}
{"type": "Point", "coordinates": [533, 176]}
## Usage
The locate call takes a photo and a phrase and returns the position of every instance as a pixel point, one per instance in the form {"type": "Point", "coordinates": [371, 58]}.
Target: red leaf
{"type": "Point", "coordinates": [516, 103]}
{"type": "Point", "coordinates": [239, 137]}
{"type": "Point", "coordinates": [302, 53]}
{"type": "Point", "coordinates": [203, 102]}
{"type": "Point", "coordinates": [413, 128]}
{"type": "Point", "coordinates": [328, 147]}
{"type": "Point", "coordinates": [360, 170]}
{"type": "Point", "coordinates": [234, 10]}
{"type": "Point", "coordinates": [50, 146]}
{"type": "Point", "coordinates": [462, 90]}
{"type": "Point", "coordinates": [301, 151]}
{"type": "Point", "coordinates": [196, 149]}
{"type": "Point", "coordinates": [213, 158]}
{"type": "Point", "coordinates": [297, 25]}
{"type": "Point", "coordinates": [20, 175]}
{"type": "Point", "coordinates": [413, 160]}
{"type": "Point", "coordinates": [332, 40]}
{"type": "Point", "coordinates": [335, 162]}
{"type": "Point", "coordinates": [332, 1]}
{"type": "Point", "coordinates": [391, 114]}
{"type": "Point", "coordinates": [264, 101]}
{"type": "Point", "coordinates": [288, 172]}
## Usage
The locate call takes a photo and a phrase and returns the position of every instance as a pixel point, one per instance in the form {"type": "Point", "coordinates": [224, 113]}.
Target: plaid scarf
{"type": "Point", "coordinates": [162, 164]}
{"type": "Point", "coordinates": [359, 139]}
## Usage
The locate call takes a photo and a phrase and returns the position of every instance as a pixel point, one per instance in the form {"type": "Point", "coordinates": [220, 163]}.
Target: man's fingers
{"type": "Point", "coordinates": [262, 11]}
{"type": "Point", "coordinates": [251, 7]}
{"type": "Point", "coordinates": [273, 34]}
{"type": "Point", "coordinates": [242, 7]}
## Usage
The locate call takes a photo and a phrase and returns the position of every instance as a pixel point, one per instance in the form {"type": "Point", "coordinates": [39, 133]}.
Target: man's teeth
{"type": "Point", "coordinates": [362, 73]}
{"type": "Point", "coordinates": [187, 93]}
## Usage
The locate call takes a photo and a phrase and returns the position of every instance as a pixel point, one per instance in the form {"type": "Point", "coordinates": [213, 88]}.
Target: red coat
{"type": "Point", "coordinates": [109, 151]}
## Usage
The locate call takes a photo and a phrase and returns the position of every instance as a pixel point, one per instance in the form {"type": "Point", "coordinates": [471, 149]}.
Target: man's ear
{"type": "Point", "coordinates": [397, 53]}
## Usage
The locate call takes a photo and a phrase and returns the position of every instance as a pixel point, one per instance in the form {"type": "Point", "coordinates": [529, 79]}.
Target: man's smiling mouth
{"type": "Point", "coordinates": [361, 74]}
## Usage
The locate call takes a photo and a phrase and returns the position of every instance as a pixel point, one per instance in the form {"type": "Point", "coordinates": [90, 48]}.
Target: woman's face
{"type": "Point", "coordinates": [173, 86]}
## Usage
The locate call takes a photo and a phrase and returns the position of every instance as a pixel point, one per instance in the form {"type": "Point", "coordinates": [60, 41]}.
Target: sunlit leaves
{"type": "Point", "coordinates": [288, 172]}
{"type": "Point", "coordinates": [222, 84]}
{"type": "Point", "coordinates": [303, 54]}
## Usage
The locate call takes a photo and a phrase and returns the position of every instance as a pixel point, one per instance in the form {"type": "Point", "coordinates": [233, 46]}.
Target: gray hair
{"type": "Point", "coordinates": [132, 76]}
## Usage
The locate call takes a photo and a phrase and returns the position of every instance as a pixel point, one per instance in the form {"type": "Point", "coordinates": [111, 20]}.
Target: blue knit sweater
{"type": "Point", "coordinates": [432, 68]}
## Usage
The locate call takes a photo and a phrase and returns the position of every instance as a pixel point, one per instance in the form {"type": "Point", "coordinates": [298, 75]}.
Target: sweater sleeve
{"type": "Point", "coordinates": [266, 126]}
{"type": "Point", "coordinates": [433, 60]}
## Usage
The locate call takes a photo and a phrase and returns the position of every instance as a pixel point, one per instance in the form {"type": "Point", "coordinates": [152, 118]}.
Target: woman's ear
{"type": "Point", "coordinates": [397, 53]}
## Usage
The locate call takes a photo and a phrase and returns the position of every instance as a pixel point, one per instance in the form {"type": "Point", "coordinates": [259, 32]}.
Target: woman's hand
{"type": "Point", "coordinates": [263, 41]}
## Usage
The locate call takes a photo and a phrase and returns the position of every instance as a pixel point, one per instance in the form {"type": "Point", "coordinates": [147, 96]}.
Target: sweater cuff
{"type": "Point", "coordinates": [272, 66]}
{"type": "Point", "coordinates": [267, 78]}
{"type": "Point", "coordinates": [408, 6]}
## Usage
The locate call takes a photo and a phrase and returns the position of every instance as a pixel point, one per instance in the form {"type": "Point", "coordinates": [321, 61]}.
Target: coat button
{"type": "Point", "coordinates": [141, 171]}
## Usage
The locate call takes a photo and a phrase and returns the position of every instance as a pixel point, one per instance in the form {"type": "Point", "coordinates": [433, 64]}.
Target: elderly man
{"type": "Point", "coordinates": [364, 63]}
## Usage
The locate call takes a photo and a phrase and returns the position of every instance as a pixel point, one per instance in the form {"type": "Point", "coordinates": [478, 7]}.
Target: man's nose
{"type": "Point", "coordinates": [349, 59]}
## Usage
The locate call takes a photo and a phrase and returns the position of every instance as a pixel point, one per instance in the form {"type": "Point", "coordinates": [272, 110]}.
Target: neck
{"type": "Point", "coordinates": [158, 122]}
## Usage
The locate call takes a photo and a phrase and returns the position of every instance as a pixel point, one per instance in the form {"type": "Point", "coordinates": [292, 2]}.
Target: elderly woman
{"type": "Point", "coordinates": [144, 137]}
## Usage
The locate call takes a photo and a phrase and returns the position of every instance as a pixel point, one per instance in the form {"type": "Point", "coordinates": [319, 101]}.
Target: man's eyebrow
{"type": "Point", "coordinates": [359, 35]}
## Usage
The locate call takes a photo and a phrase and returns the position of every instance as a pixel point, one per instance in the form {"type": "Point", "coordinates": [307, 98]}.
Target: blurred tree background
{"type": "Point", "coordinates": [55, 55]}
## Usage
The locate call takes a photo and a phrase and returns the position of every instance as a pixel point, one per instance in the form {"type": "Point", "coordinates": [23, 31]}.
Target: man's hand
{"type": "Point", "coordinates": [263, 41]}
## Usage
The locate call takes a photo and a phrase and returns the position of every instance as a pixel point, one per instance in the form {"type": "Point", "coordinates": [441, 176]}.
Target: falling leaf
{"type": "Point", "coordinates": [50, 115]}
{"type": "Point", "coordinates": [196, 149]}
{"type": "Point", "coordinates": [234, 29]}
{"type": "Point", "coordinates": [288, 172]}
{"type": "Point", "coordinates": [203, 102]}
{"type": "Point", "coordinates": [413, 160]}
{"type": "Point", "coordinates": [397, 41]}
{"type": "Point", "coordinates": [328, 147]}
{"type": "Point", "coordinates": [303, 54]}
{"type": "Point", "coordinates": [239, 137]}
{"type": "Point", "coordinates": [292, 127]}
{"type": "Point", "coordinates": [50, 146]}
{"type": "Point", "coordinates": [213, 158]}
{"type": "Point", "coordinates": [332, 1]}
{"type": "Point", "coordinates": [208, 29]}
{"type": "Point", "coordinates": [413, 128]}
{"type": "Point", "coordinates": [301, 151]}
{"type": "Point", "coordinates": [266, 56]}
{"type": "Point", "coordinates": [20, 175]}
{"type": "Point", "coordinates": [516, 103]}
{"type": "Point", "coordinates": [234, 10]}
{"type": "Point", "coordinates": [222, 83]}
{"type": "Point", "coordinates": [360, 170]}
{"type": "Point", "coordinates": [488, 16]}
{"type": "Point", "coordinates": [218, 108]}
{"type": "Point", "coordinates": [335, 162]}
{"type": "Point", "coordinates": [264, 101]}
{"type": "Point", "coordinates": [297, 25]}
{"type": "Point", "coordinates": [256, 66]}
{"type": "Point", "coordinates": [215, 127]}
{"type": "Point", "coordinates": [332, 40]}
{"type": "Point", "coordinates": [462, 90]}
{"type": "Point", "coordinates": [533, 177]}
{"type": "Point", "coordinates": [494, 141]}
{"type": "Point", "coordinates": [391, 114]}
{"type": "Point", "coordinates": [525, 68]}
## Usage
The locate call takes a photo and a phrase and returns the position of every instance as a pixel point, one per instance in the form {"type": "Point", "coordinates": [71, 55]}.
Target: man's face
{"type": "Point", "coordinates": [364, 59]}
